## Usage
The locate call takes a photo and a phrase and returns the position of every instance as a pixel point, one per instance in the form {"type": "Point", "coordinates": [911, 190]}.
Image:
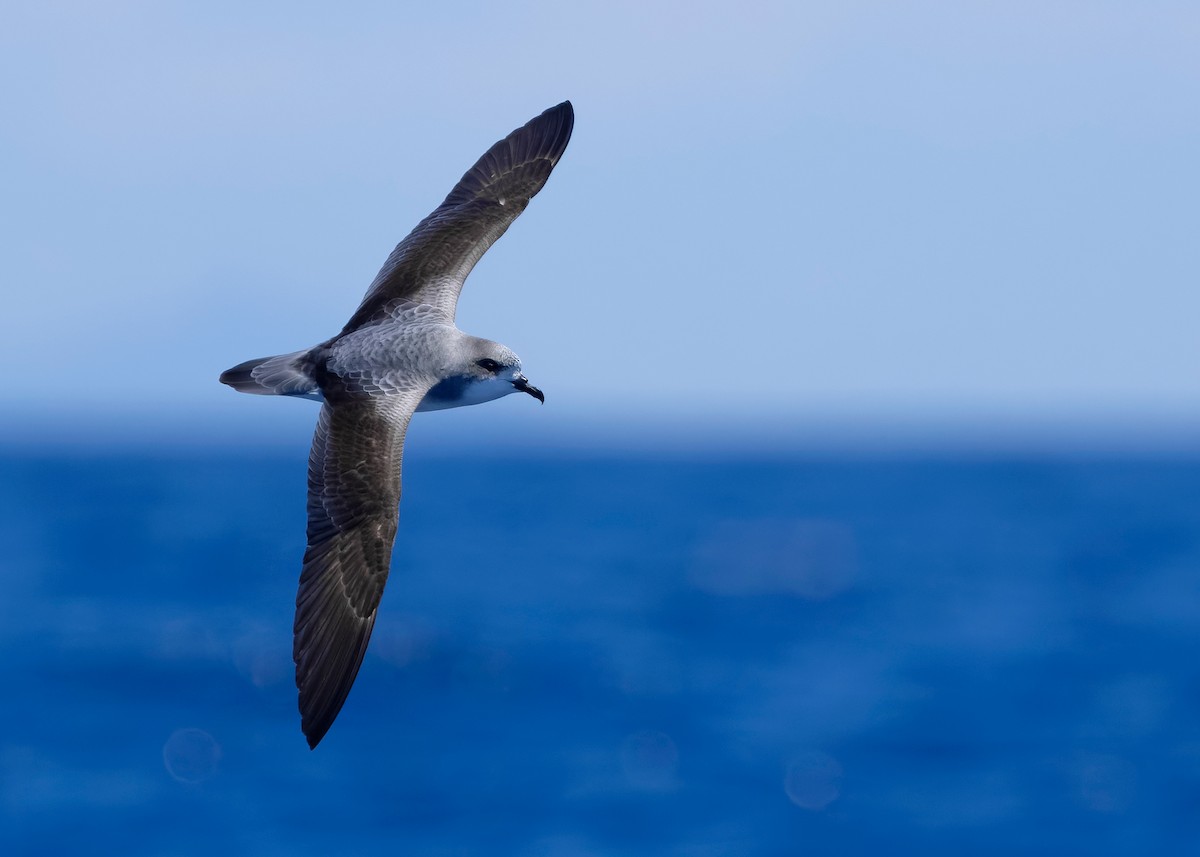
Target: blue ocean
{"type": "Point", "coordinates": [611, 655]}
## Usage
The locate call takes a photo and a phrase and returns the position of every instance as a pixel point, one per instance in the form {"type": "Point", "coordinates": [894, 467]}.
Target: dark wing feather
{"type": "Point", "coordinates": [353, 493]}
{"type": "Point", "coordinates": [431, 264]}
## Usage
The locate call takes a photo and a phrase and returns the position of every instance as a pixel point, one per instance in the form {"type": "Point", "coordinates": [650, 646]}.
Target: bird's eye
{"type": "Point", "coordinates": [489, 364]}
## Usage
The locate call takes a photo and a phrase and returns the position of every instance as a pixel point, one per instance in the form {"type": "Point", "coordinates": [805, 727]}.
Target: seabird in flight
{"type": "Point", "coordinates": [399, 353]}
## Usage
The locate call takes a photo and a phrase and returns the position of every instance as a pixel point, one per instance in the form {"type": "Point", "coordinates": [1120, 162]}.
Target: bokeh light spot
{"type": "Point", "coordinates": [649, 760]}
{"type": "Point", "coordinates": [810, 557]}
{"type": "Point", "coordinates": [191, 755]}
{"type": "Point", "coordinates": [1106, 783]}
{"type": "Point", "coordinates": [813, 780]}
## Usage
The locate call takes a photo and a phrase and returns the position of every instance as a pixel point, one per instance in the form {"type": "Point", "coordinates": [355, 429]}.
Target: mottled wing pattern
{"type": "Point", "coordinates": [431, 264]}
{"type": "Point", "coordinates": [353, 494]}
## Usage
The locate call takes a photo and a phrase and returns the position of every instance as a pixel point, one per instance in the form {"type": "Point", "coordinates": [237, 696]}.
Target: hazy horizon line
{"type": "Point", "coordinates": [501, 430]}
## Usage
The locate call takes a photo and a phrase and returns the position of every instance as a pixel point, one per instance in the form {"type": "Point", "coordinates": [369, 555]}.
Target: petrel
{"type": "Point", "coordinates": [399, 353]}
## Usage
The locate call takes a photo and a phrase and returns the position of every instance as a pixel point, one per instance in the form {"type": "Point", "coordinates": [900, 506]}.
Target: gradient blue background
{"type": "Point", "coordinates": [862, 513]}
{"type": "Point", "coordinates": [891, 215]}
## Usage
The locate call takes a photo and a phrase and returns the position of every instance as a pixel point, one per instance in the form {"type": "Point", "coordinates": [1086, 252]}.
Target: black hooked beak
{"type": "Point", "coordinates": [522, 384]}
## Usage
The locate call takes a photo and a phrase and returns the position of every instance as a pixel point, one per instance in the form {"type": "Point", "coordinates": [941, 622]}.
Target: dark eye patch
{"type": "Point", "coordinates": [489, 364]}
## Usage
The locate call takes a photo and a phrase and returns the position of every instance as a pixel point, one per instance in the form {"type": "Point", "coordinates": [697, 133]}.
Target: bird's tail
{"type": "Point", "coordinates": [282, 375]}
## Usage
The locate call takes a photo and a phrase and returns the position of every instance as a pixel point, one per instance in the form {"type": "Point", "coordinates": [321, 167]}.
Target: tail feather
{"type": "Point", "coordinates": [282, 375]}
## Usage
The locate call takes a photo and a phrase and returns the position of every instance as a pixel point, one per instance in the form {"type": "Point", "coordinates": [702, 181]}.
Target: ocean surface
{"type": "Point", "coordinates": [611, 656]}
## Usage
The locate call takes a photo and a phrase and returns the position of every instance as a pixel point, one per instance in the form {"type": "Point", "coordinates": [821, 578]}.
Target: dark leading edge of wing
{"type": "Point", "coordinates": [430, 265]}
{"type": "Point", "coordinates": [353, 493]}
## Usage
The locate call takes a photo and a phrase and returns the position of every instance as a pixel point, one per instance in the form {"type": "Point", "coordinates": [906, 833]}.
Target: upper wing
{"type": "Point", "coordinates": [430, 265]}
{"type": "Point", "coordinates": [353, 493]}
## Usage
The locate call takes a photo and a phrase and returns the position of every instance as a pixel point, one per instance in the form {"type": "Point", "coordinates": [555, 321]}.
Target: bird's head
{"type": "Point", "coordinates": [496, 368]}
{"type": "Point", "coordinates": [480, 372]}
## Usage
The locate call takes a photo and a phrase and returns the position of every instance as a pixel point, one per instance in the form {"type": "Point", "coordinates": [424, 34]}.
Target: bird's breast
{"type": "Point", "coordinates": [458, 391]}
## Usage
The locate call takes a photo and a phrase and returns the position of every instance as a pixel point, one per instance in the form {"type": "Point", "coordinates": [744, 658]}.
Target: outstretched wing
{"type": "Point", "coordinates": [431, 264]}
{"type": "Point", "coordinates": [353, 494]}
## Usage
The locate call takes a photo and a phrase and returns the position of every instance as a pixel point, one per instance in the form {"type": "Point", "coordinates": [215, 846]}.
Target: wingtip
{"type": "Point", "coordinates": [557, 139]}
{"type": "Point", "coordinates": [237, 376]}
{"type": "Point", "coordinates": [314, 733]}
{"type": "Point", "coordinates": [567, 109]}
{"type": "Point", "coordinates": [314, 723]}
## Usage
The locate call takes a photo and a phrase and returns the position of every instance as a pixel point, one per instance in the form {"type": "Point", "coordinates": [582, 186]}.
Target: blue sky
{"type": "Point", "coordinates": [773, 218]}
